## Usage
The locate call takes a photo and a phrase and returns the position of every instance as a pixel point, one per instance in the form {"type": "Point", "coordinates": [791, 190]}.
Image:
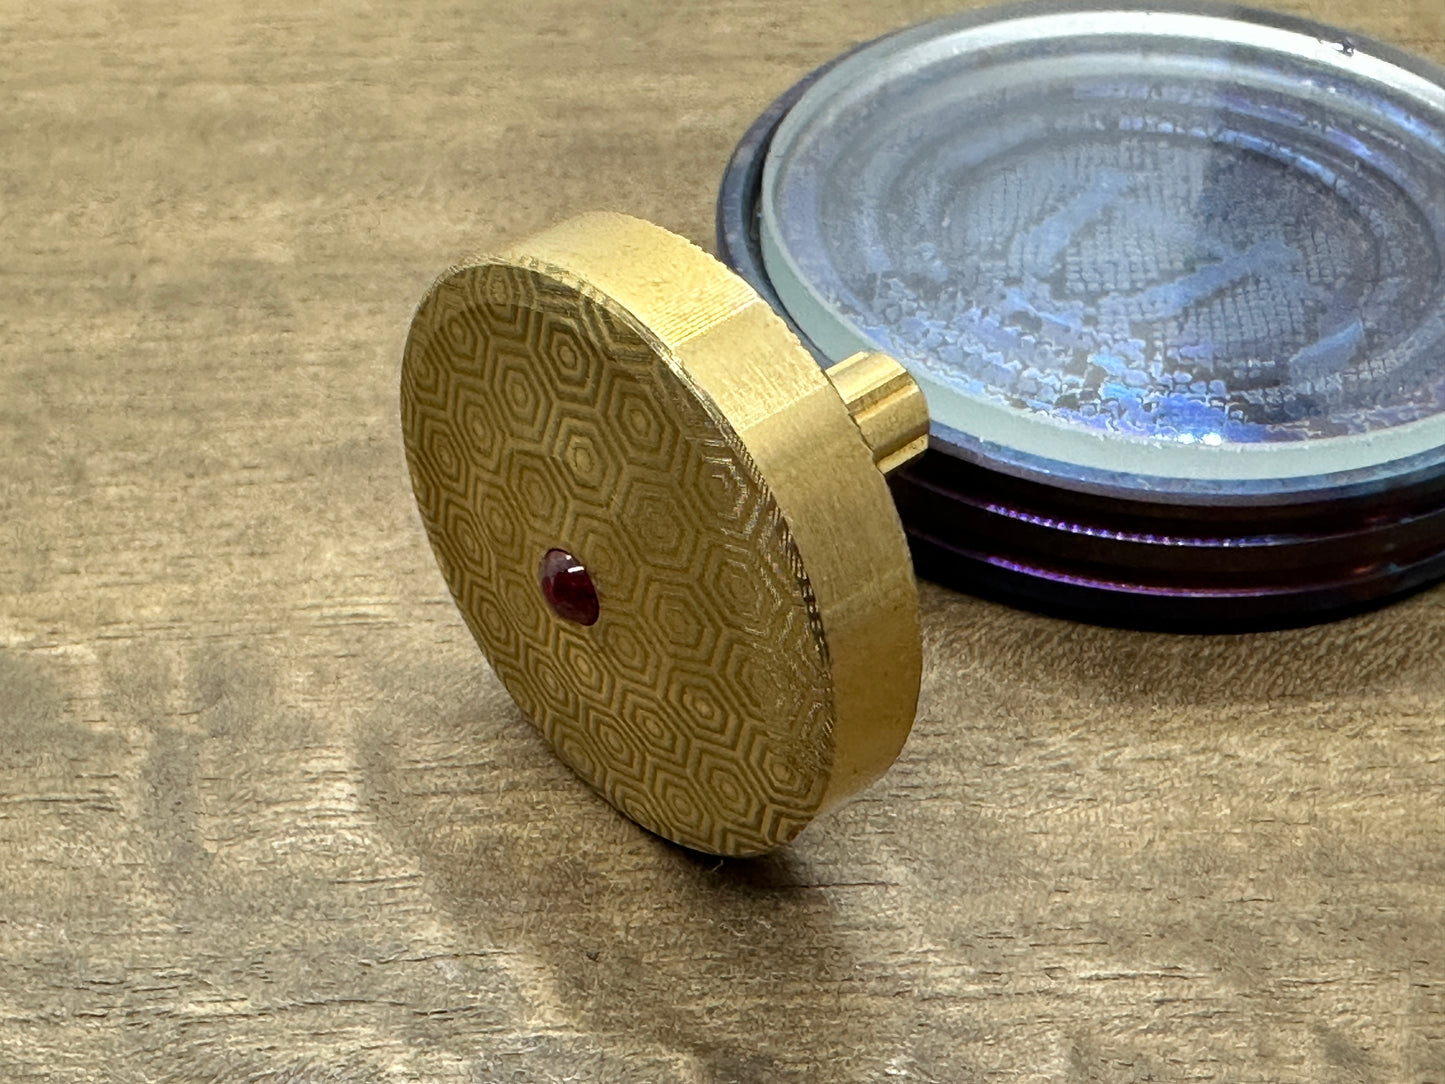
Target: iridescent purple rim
{"type": "Point", "coordinates": [991, 521]}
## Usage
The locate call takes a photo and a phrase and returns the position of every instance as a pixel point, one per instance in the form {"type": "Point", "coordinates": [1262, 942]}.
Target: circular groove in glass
{"type": "Point", "coordinates": [1197, 250]}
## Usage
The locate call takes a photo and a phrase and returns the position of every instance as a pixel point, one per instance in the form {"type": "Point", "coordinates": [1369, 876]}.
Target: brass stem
{"type": "Point", "coordinates": [886, 404]}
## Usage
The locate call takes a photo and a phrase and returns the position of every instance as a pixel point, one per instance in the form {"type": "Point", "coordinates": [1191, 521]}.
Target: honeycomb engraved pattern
{"type": "Point", "coordinates": [700, 702]}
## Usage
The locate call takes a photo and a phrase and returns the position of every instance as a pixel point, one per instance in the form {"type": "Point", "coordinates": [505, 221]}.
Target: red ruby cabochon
{"type": "Point", "coordinates": [568, 588]}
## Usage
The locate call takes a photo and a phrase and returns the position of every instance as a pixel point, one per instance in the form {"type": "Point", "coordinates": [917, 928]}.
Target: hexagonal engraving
{"type": "Point", "coordinates": [573, 362]}
{"type": "Point", "coordinates": [537, 490]}
{"type": "Point", "coordinates": [590, 460]}
{"type": "Point", "coordinates": [658, 523]}
{"type": "Point", "coordinates": [536, 418]}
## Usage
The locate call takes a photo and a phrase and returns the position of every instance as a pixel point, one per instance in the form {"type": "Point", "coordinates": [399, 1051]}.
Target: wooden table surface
{"type": "Point", "coordinates": [265, 814]}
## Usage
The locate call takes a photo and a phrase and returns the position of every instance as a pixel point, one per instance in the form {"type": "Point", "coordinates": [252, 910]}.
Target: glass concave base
{"type": "Point", "coordinates": [1122, 547]}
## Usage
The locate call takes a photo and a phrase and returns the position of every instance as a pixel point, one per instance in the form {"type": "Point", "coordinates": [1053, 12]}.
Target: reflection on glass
{"type": "Point", "coordinates": [1195, 248]}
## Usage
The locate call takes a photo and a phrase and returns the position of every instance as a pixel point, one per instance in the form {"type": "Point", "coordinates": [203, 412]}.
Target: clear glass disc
{"type": "Point", "coordinates": [1197, 251]}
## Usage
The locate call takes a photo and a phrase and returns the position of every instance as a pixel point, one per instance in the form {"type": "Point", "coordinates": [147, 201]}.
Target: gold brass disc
{"type": "Point", "coordinates": [740, 651]}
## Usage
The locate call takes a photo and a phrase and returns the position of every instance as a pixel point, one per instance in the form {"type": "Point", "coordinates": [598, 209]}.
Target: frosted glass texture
{"type": "Point", "coordinates": [1193, 250]}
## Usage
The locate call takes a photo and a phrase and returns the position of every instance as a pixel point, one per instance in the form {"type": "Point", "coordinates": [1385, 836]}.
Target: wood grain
{"type": "Point", "coordinates": [266, 816]}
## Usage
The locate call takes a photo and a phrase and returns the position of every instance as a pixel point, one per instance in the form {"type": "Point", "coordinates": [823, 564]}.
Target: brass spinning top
{"type": "Point", "coordinates": [667, 528]}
